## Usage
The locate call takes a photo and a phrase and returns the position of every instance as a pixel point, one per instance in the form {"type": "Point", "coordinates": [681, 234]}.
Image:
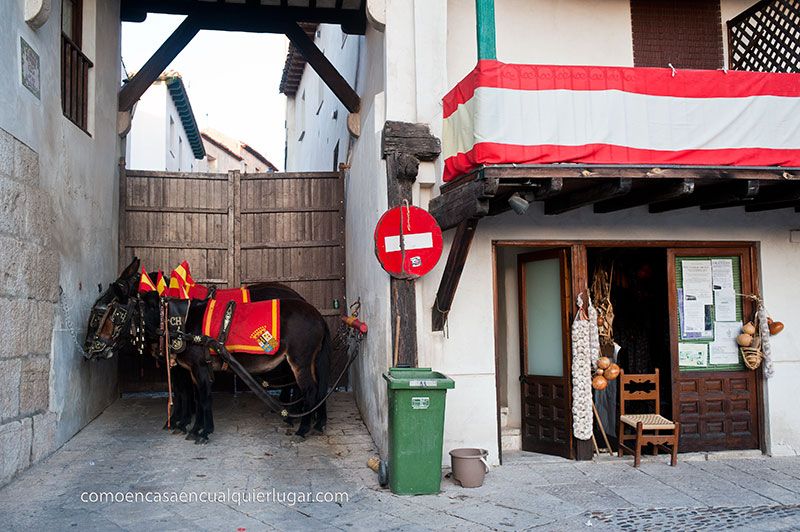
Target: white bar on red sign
{"type": "Point", "coordinates": [411, 240]}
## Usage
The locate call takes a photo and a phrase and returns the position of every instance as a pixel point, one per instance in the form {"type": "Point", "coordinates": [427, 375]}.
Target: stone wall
{"type": "Point", "coordinates": [28, 295]}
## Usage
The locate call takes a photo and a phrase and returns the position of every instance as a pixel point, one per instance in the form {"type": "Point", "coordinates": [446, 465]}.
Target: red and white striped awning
{"type": "Point", "coordinates": [542, 114]}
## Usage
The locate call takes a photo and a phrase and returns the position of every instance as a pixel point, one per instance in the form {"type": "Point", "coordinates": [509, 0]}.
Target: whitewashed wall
{"type": "Point", "coordinates": [149, 144]}
{"type": "Point", "coordinates": [58, 226]}
{"type": "Point", "coordinates": [315, 113]}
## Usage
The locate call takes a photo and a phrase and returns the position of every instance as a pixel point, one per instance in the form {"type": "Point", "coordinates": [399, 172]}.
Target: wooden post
{"type": "Point", "coordinates": [404, 145]}
{"type": "Point", "coordinates": [169, 50]}
{"type": "Point", "coordinates": [484, 17]}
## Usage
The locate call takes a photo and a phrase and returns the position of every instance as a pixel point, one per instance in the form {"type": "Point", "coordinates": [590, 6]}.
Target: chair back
{"type": "Point", "coordinates": [638, 387]}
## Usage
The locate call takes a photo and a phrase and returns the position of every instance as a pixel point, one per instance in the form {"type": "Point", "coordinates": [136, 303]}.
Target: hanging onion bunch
{"type": "Point", "coordinates": [601, 295]}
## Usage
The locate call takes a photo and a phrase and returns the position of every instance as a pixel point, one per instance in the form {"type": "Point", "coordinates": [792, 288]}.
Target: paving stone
{"type": "Point", "coordinates": [124, 449]}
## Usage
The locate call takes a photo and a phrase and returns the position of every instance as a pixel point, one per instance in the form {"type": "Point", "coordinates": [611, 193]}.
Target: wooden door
{"type": "Point", "coordinates": [718, 405]}
{"type": "Point", "coordinates": [544, 303]}
{"type": "Point", "coordinates": [238, 229]}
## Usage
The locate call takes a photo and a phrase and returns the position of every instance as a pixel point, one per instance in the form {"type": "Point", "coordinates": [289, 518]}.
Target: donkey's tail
{"type": "Point", "coordinates": [322, 365]}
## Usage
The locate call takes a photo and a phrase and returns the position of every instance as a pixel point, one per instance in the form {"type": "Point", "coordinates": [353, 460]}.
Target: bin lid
{"type": "Point", "coordinates": [417, 378]}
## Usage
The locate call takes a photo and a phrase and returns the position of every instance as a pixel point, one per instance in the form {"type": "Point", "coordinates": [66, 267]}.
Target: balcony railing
{"type": "Point", "coordinates": [74, 83]}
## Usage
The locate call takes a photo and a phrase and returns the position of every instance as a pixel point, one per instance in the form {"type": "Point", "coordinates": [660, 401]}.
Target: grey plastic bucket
{"type": "Point", "coordinates": [469, 466]}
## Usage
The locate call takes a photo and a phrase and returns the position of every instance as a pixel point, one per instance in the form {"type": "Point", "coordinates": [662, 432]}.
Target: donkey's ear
{"type": "Point", "coordinates": [131, 269]}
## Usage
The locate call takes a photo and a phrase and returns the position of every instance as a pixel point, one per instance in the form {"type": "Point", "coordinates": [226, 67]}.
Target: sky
{"type": "Point", "coordinates": [232, 79]}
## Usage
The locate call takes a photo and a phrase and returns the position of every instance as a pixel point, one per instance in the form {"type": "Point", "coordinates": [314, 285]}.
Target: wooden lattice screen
{"type": "Point", "coordinates": [766, 37]}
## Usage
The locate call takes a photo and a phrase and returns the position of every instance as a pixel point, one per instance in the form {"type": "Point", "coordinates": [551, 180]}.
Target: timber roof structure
{"type": "Point", "coordinates": [177, 92]}
{"type": "Point", "coordinates": [295, 64]}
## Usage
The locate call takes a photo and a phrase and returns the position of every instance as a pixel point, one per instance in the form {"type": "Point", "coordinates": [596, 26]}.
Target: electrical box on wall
{"type": "Point", "coordinates": [794, 236]}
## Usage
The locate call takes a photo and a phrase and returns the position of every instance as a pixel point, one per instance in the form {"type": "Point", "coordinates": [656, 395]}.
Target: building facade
{"type": "Point", "coordinates": [59, 153]}
{"type": "Point", "coordinates": [413, 54]}
{"type": "Point", "coordinates": [164, 133]}
{"type": "Point", "coordinates": [224, 154]}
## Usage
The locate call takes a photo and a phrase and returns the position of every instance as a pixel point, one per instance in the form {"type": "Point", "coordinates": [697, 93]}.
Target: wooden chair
{"type": "Point", "coordinates": [650, 428]}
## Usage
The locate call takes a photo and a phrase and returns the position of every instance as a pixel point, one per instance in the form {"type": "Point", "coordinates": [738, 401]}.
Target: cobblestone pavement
{"type": "Point", "coordinates": [124, 450]}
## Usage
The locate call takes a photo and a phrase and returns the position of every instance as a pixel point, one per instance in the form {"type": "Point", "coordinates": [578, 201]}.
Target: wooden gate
{"type": "Point", "coordinates": [238, 229]}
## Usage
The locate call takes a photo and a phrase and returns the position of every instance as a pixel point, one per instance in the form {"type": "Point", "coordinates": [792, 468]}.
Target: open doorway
{"type": "Point", "coordinates": [638, 286]}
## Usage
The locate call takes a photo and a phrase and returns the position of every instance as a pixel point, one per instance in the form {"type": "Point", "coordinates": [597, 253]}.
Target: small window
{"type": "Point", "coordinates": [74, 65]}
{"type": "Point", "coordinates": [180, 153]}
{"type": "Point", "coordinates": [171, 134]}
{"type": "Point", "coordinates": [336, 157]}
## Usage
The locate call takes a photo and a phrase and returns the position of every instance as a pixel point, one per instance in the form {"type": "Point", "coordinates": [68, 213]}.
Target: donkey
{"type": "Point", "coordinates": [120, 295]}
{"type": "Point", "coordinates": [305, 344]}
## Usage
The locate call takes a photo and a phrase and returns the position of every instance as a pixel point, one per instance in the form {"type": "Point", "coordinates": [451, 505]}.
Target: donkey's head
{"type": "Point", "coordinates": [111, 314]}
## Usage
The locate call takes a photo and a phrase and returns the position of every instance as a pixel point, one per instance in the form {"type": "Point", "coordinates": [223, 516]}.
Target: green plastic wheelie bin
{"type": "Point", "coordinates": [416, 429]}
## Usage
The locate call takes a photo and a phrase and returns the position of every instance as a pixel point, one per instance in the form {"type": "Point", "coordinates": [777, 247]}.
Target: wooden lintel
{"type": "Point", "coordinates": [568, 201]}
{"type": "Point", "coordinates": [317, 60]}
{"type": "Point", "coordinates": [459, 250]}
{"type": "Point", "coordinates": [411, 139]}
{"type": "Point", "coordinates": [152, 69]}
{"type": "Point", "coordinates": [250, 15]}
{"type": "Point", "coordinates": [468, 201]}
{"type": "Point", "coordinates": [717, 194]}
{"type": "Point", "coordinates": [649, 193]}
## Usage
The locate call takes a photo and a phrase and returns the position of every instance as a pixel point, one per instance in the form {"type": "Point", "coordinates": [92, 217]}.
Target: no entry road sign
{"type": "Point", "coordinates": [408, 242]}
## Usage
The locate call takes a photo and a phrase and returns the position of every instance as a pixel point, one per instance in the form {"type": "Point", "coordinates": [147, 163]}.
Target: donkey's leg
{"type": "Point", "coordinates": [184, 397]}
{"type": "Point", "coordinates": [308, 387]}
{"type": "Point", "coordinates": [204, 376]}
{"type": "Point", "coordinates": [287, 396]}
{"type": "Point", "coordinates": [198, 411]}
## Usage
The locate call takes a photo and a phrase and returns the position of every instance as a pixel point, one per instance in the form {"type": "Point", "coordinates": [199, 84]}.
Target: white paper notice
{"type": "Point", "coordinates": [692, 355]}
{"type": "Point", "coordinates": [698, 281]}
{"type": "Point", "coordinates": [722, 273]}
{"type": "Point", "coordinates": [724, 349]}
{"type": "Point", "coordinates": [694, 316]}
{"type": "Point", "coordinates": [724, 305]}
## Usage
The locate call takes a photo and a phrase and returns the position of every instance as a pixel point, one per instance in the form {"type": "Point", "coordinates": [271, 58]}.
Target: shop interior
{"type": "Point", "coordinates": [635, 280]}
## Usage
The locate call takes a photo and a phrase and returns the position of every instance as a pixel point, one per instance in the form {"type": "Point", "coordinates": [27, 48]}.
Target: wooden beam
{"type": "Point", "coordinates": [314, 57]}
{"type": "Point", "coordinates": [169, 50]}
{"type": "Point", "coordinates": [249, 16]}
{"type": "Point", "coordinates": [777, 196]}
{"type": "Point", "coordinates": [587, 196]}
{"type": "Point", "coordinates": [465, 202]}
{"type": "Point", "coordinates": [462, 240]}
{"type": "Point", "coordinates": [412, 139]}
{"type": "Point", "coordinates": [649, 193]}
{"type": "Point", "coordinates": [403, 145]}
{"type": "Point", "coordinates": [549, 188]}
{"type": "Point", "coordinates": [700, 173]}
{"type": "Point", "coordinates": [713, 195]}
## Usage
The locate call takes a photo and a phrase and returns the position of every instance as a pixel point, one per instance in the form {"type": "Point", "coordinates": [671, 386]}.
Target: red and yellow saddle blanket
{"type": "Point", "coordinates": [256, 325]}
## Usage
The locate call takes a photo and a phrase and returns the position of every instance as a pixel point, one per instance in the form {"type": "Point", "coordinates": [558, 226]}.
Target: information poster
{"type": "Point", "coordinates": [709, 312]}
{"type": "Point", "coordinates": [692, 355]}
{"type": "Point", "coordinates": [724, 349]}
